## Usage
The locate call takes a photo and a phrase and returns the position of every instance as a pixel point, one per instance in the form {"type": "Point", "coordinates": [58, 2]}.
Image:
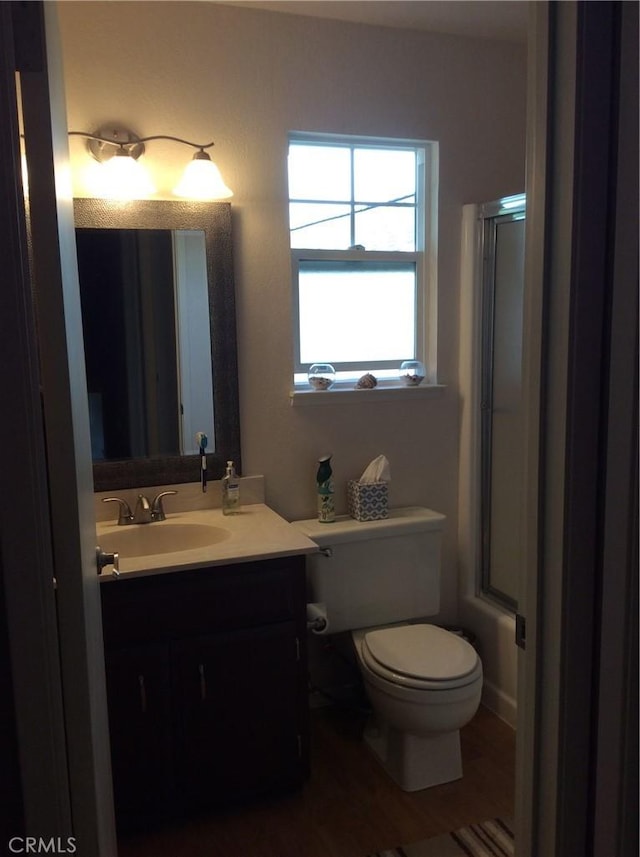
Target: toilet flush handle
{"type": "Point", "coordinates": [328, 552]}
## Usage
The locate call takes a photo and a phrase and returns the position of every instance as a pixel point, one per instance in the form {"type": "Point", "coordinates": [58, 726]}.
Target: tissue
{"type": "Point", "coordinates": [377, 471]}
{"type": "Point", "coordinates": [368, 498]}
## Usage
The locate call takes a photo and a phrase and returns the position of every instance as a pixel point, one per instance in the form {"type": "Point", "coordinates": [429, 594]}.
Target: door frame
{"type": "Point", "coordinates": [69, 722]}
{"type": "Point", "coordinates": [27, 564]}
{"type": "Point", "coordinates": [580, 485]}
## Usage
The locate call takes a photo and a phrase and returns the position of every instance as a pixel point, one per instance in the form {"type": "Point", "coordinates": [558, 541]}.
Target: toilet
{"type": "Point", "coordinates": [380, 580]}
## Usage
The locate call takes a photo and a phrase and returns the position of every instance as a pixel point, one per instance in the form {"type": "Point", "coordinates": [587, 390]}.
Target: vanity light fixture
{"type": "Point", "coordinates": [118, 150]}
{"type": "Point", "coordinates": [201, 179]}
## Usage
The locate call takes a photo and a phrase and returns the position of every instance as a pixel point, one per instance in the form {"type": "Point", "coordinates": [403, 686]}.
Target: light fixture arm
{"type": "Point", "coordinates": [200, 146]}
{"type": "Point", "coordinates": [133, 139]}
{"type": "Point", "coordinates": [99, 138]}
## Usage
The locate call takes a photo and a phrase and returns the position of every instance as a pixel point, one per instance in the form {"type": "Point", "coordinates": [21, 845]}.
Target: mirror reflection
{"type": "Point", "coordinates": [158, 309]}
{"type": "Point", "coordinates": [146, 339]}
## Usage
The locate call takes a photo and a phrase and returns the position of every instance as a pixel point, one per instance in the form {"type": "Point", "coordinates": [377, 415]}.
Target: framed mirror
{"type": "Point", "coordinates": [155, 371]}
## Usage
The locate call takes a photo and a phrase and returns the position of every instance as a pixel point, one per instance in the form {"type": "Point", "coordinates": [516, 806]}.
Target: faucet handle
{"type": "Point", "coordinates": [157, 507]}
{"type": "Point", "coordinates": [124, 513]}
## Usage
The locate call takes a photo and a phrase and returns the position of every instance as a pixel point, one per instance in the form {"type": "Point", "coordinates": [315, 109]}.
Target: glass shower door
{"type": "Point", "coordinates": [501, 412]}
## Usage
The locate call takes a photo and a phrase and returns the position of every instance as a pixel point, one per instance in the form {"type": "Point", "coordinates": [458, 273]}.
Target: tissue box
{"type": "Point", "coordinates": [367, 501]}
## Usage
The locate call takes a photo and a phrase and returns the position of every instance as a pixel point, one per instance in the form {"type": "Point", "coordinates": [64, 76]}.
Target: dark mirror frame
{"type": "Point", "coordinates": [214, 219]}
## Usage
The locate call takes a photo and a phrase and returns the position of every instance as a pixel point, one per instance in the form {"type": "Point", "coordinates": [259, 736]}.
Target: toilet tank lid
{"type": "Point", "coordinates": [408, 519]}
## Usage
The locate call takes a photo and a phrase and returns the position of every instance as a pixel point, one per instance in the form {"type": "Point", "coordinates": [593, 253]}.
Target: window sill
{"type": "Point", "coordinates": [343, 395]}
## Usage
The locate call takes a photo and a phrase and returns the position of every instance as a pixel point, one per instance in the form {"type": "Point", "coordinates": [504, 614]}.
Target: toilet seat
{"type": "Point", "coordinates": [421, 656]}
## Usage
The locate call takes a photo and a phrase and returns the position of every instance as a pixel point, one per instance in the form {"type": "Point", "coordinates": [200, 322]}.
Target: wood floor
{"type": "Point", "coordinates": [349, 807]}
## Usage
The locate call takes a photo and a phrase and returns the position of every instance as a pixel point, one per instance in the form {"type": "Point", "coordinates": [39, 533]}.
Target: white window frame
{"type": "Point", "coordinates": [424, 257]}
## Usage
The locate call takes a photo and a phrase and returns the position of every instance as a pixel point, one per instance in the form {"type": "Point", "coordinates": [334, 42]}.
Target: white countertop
{"type": "Point", "coordinates": [256, 532]}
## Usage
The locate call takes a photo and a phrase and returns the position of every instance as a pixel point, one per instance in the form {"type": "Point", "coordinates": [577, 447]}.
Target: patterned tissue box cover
{"type": "Point", "coordinates": [367, 501]}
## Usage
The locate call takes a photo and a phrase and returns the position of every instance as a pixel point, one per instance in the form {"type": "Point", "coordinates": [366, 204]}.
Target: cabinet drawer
{"type": "Point", "coordinates": [170, 606]}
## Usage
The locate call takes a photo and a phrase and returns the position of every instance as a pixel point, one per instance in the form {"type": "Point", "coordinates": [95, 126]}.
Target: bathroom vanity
{"type": "Point", "coordinates": [206, 671]}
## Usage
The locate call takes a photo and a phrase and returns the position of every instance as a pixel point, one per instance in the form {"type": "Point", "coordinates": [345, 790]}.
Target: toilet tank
{"type": "Point", "coordinates": [376, 572]}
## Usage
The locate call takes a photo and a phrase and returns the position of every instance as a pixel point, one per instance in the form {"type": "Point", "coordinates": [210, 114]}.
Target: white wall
{"type": "Point", "coordinates": [246, 77]}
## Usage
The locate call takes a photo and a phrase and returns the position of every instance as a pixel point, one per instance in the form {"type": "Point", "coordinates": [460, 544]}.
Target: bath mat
{"type": "Point", "coordinates": [492, 838]}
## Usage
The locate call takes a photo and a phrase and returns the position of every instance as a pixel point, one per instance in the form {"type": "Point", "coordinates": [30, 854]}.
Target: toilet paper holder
{"type": "Point", "coordinates": [317, 618]}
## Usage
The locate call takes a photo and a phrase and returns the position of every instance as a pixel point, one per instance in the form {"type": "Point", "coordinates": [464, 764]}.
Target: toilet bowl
{"type": "Point", "coordinates": [424, 683]}
{"type": "Point", "coordinates": [379, 580]}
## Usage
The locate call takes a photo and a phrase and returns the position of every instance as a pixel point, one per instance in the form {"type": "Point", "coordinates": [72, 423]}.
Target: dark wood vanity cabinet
{"type": "Point", "coordinates": [207, 686]}
{"type": "Point", "coordinates": [138, 687]}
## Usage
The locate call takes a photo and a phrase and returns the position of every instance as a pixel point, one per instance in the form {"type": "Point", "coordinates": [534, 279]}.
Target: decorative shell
{"type": "Point", "coordinates": [412, 380]}
{"type": "Point", "coordinates": [367, 382]}
{"type": "Point", "coordinates": [318, 382]}
{"type": "Point", "coordinates": [321, 376]}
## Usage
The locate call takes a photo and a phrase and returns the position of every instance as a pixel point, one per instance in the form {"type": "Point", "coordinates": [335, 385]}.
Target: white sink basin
{"type": "Point", "coordinates": [160, 538]}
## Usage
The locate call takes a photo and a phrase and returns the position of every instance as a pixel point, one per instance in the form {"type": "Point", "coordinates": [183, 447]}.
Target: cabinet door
{"type": "Point", "coordinates": [238, 722]}
{"type": "Point", "coordinates": [139, 727]}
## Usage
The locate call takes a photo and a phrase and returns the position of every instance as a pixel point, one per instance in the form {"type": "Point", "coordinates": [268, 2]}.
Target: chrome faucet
{"type": "Point", "coordinates": [144, 513]}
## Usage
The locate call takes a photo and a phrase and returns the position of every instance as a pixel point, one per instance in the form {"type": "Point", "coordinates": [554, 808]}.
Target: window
{"type": "Point", "coordinates": [361, 226]}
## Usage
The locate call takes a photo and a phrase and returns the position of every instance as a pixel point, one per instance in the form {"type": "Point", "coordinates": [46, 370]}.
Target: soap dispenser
{"type": "Point", "coordinates": [230, 491]}
{"type": "Point", "coordinates": [326, 506]}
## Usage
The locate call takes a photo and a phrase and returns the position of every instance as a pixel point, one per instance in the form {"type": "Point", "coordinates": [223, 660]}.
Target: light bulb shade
{"type": "Point", "coordinates": [122, 177]}
{"type": "Point", "coordinates": [202, 180]}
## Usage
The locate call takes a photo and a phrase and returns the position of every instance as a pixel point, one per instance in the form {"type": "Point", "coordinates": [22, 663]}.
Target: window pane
{"type": "Point", "coordinates": [386, 228]}
{"type": "Point", "coordinates": [383, 175]}
{"type": "Point", "coordinates": [357, 312]}
{"type": "Point", "coordinates": [322, 226]}
{"type": "Point", "coordinates": [319, 172]}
